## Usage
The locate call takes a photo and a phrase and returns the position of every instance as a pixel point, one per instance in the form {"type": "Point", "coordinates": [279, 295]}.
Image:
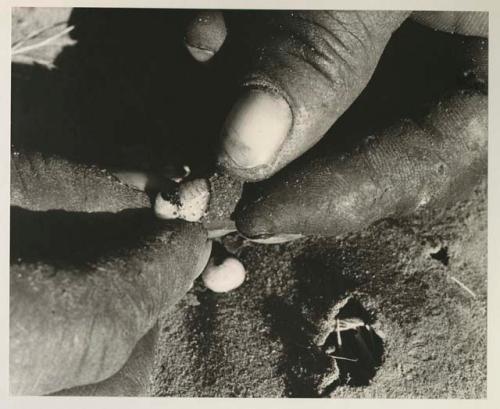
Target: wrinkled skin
{"type": "Point", "coordinates": [91, 269]}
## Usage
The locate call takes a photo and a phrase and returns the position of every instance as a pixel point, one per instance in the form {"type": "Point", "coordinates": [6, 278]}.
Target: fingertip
{"type": "Point", "coordinates": [205, 35]}
{"type": "Point", "coordinates": [252, 223]}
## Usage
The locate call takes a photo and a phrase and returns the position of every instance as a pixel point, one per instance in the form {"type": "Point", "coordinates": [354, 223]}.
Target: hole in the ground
{"type": "Point", "coordinates": [355, 346]}
{"type": "Point", "coordinates": [441, 255]}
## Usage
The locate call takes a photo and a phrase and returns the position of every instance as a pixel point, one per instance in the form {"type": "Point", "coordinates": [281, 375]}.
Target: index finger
{"type": "Point", "coordinates": [40, 182]}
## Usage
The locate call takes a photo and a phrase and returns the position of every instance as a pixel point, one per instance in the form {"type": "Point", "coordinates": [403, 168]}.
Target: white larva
{"type": "Point", "coordinates": [192, 204]}
{"type": "Point", "coordinates": [227, 276]}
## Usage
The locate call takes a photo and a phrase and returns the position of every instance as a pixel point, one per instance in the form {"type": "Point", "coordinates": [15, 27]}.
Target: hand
{"type": "Point", "coordinates": [91, 270]}
{"type": "Point", "coordinates": [306, 69]}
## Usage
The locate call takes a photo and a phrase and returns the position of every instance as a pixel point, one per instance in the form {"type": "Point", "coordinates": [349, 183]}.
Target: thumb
{"type": "Point", "coordinates": [307, 67]}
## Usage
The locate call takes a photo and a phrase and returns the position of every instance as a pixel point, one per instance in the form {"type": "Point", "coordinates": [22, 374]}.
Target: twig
{"type": "Point", "coordinates": [339, 338]}
{"type": "Point", "coordinates": [27, 59]}
{"type": "Point", "coordinates": [42, 43]}
{"type": "Point", "coordinates": [344, 358]}
{"type": "Point", "coordinates": [346, 324]}
{"type": "Point", "coordinates": [34, 34]}
{"type": "Point", "coordinates": [464, 286]}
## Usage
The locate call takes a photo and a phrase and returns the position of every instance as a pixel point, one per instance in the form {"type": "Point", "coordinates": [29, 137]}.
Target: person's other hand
{"type": "Point", "coordinates": [91, 270]}
{"type": "Point", "coordinates": [306, 69]}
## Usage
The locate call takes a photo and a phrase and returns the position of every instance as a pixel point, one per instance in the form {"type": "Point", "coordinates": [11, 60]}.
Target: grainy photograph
{"type": "Point", "coordinates": [248, 203]}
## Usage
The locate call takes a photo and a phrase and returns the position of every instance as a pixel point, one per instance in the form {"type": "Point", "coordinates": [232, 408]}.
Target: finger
{"type": "Point", "coordinates": [85, 287]}
{"type": "Point", "coordinates": [400, 170]}
{"type": "Point", "coordinates": [306, 72]}
{"type": "Point", "coordinates": [41, 182]}
{"type": "Point", "coordinates": [471, 23]}
{"type": "Point", "coordinates": [205, 34]}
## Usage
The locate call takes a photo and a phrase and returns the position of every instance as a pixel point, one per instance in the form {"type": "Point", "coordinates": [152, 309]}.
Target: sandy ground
{"type": "Point", "coordinates": [253, 342]}
{"type": "Point", "coordinates": [420, 283]}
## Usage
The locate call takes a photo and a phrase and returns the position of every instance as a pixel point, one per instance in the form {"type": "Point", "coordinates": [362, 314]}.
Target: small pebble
{"type": "Point", "coordinates": [227, 276]}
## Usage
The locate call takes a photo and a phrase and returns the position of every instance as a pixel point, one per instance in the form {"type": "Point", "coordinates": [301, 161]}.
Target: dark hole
{"type": "Point", "coordinates": [359, 356]}
{"type": "Point", "coordinates": [441, 255]}
{"type": "Point", "coordinates": [360, 351]}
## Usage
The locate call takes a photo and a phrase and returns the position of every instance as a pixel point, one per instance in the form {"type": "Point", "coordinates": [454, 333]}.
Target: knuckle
{"type": "Point", "coordinates": [335, 44]}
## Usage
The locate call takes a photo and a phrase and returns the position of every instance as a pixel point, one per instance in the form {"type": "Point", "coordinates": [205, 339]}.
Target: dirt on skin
{"type": "Point", "coordinates": [254, 341]}
{"type": "Point", "coordinates": [258, 341]}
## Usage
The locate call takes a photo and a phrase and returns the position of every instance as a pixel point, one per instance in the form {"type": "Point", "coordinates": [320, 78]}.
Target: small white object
{"type": "Point", "coordinates": [278, 239]}
{"type": "Point", "coordinates": [227, 276]}
{"type": "Point", "coordinates": [339, 337]}
{"type": "Point", "coordinates": [187, 172]}
{"type": "Point", "coordinates": [192, 205]}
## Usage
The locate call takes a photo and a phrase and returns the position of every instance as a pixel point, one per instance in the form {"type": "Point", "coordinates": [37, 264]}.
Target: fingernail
{"type": "Point", "coordinates": [255, 129]}
{"type": "Point", "coordinates": [200, 54]}
{"type": "Point", "coordinates": [277, 239]}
